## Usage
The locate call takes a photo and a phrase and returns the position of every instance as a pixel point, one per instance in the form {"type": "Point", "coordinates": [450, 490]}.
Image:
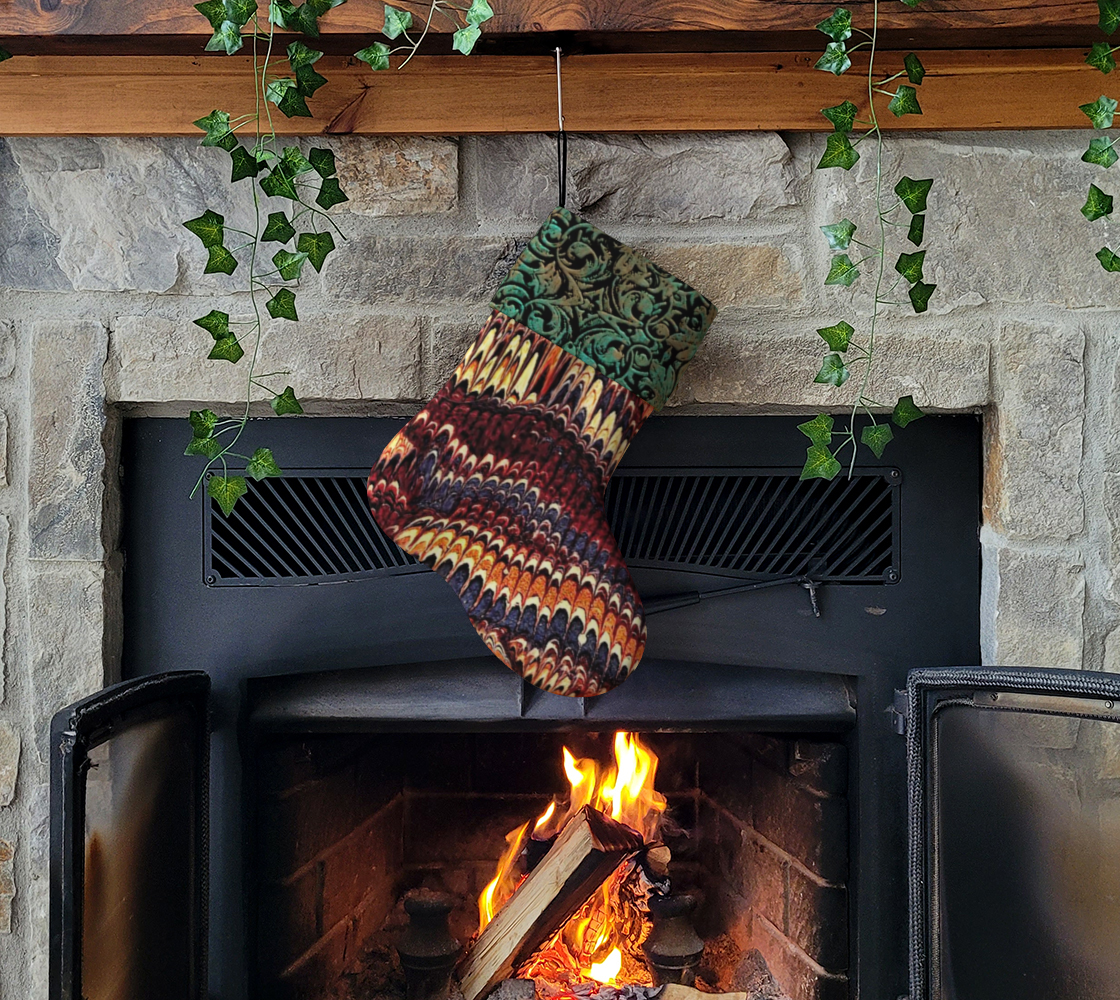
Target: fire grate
{"type": "Point", "coordinates": [313, 526]}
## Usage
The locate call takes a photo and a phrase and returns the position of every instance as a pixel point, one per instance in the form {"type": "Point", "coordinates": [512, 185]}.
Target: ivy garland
{"type": "Point", "coordinates": [906, 211]}
{"type": "Point", "coordinates": [1100, 113]}
{"type": "Point", "coordinates": [304, 231]}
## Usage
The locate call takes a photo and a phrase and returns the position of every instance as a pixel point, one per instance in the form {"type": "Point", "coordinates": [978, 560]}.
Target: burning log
{"type": "Point", "coordinates": [586, 853]}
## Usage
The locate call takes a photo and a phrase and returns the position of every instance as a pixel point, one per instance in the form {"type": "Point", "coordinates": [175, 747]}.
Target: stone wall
{"type": "Point", "coordinates": [99, 282]}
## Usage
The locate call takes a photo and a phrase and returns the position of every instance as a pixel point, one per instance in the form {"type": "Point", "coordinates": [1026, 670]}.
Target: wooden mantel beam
{"type": "Point", "coordinates": [155, 27]}
{"type": "Point", "coordinates": [162, 95]}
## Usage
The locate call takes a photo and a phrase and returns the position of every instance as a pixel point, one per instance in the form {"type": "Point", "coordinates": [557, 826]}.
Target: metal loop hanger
{"type": "Point", "coordinates": [561, 138]}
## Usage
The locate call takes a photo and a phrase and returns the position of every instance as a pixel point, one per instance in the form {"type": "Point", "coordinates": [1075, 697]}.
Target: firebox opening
{"type": "Point", "coordinates": [756, 828]}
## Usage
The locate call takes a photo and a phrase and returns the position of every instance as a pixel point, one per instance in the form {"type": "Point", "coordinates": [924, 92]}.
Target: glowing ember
{"type": "Point", "coordinates": [602, 942]}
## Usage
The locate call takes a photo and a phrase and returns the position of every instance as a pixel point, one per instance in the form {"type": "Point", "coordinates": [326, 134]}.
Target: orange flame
{"type": "Point", "coordinates": [602, 941]}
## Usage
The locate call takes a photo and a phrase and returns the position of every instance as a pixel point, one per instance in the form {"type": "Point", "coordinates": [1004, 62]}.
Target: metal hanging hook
{"type": "Point", "coordinates": [561, 137]}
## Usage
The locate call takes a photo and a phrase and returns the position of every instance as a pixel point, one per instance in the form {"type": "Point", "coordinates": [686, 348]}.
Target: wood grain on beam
{"type": "Point", "coordinates": [46, 26]}
{"type": "Point", "coordinates": [149, 95]}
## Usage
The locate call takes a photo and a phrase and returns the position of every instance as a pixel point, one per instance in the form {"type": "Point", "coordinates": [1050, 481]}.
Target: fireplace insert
{"type": "Point", "coordinates": [370, 763]}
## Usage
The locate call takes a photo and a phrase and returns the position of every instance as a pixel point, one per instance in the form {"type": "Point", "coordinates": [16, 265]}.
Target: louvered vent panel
{"type": "Point", "coordinates": [313, 526]}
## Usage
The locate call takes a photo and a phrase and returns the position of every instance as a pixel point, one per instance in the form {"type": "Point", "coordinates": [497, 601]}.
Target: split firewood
{"type": "Point", "coordinates": [585, 855]}
{"type": "Point", "coordinates": [675, 991]}
{"type": "Point", "coordinates": [658, 858]}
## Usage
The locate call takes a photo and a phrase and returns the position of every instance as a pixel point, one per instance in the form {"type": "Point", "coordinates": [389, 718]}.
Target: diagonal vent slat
{"type": "Point", "coordinates": [313, 526]}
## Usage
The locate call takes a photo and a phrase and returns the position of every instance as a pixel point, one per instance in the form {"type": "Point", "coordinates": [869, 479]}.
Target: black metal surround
{"type": "Point", "coordinates": [795, 667]}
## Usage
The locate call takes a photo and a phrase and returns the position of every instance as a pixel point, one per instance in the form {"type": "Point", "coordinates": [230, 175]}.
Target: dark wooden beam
{"type": "Point", "coordinates": [151, 27]}
{"type": "Point", "coordinates": [152, 95]}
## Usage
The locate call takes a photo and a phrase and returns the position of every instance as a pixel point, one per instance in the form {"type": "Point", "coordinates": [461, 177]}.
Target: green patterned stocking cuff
{"type": "Point", "coordinates": [597, 299]}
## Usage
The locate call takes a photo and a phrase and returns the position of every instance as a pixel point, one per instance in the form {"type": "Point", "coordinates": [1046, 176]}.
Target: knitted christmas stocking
{"type": "Point", "coordinates": [498, 484]}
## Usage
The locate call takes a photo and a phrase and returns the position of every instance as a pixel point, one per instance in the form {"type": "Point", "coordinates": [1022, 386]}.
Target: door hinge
{"type": "Point", "coordinates": [900, 712]}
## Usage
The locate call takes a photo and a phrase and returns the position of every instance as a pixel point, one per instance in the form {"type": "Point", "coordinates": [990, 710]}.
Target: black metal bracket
{"type": "Point", "coordinates": [658, 605]}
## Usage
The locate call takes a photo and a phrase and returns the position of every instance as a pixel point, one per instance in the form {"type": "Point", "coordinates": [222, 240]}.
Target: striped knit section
{"type": "Point", "coordinates": [498, 485]}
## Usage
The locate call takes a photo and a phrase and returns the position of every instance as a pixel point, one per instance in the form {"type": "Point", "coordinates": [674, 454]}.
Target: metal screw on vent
{"type": "Point", "coordinates": [427, 951]}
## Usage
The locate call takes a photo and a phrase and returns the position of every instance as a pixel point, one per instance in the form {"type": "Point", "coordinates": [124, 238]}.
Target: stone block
{"type": "Point", "coordinates": [817, 919]}
{"type": "Point", "coordinates": [343, 358]}
{"type": "Point", "coordinates": [115, 207]}
{"type": "Point", "coordinates": [993, 194]}
{"type": "Point", "coordinates": [3, 448]}
{"type": "Point", "coordinates": [7, 884]}
{"type": "Point", "coordinates": [396, 175]}
{"type": "Point", "coordinates": [7, 349]}
{"type": "Point", "coordinates": [729, 275]}
{"type": "Point", "coordinates": [795, 972]}
{"type": "Point", "coordinates": [697, 177]}
{"type": "Point", "coordinates": [1032, 486]}
{"type": "Point", "coordinates": [27, 247]}
{"type": "Point", "coordinates": [1112, 651]}
{"type": "Point", "coordinates": [444, 347]}
{"type": "Point", "coordinates": [9, 762]}
{"type": "Point", "coordinates": [67, 459]}
{"type": "Point", "coordinates": [65, 617]}
{"type": "Point", "coordinates": [1039, 608]}
{"type": "Point", "coordinates": [742, 362]}
{"type": "Point", "coordinates": [398, 269]}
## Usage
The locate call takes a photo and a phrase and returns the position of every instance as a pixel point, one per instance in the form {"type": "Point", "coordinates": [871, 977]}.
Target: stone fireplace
{"type": "Point", "coordinates": [99, 282]}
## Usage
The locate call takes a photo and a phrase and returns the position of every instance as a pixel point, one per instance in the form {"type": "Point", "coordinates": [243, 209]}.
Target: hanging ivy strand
{"type": "Point", "coordinates": [272, 256]}
{"type": "Point", "coordinates": [1101, 112]}
{"type": "Point", "coordinates": [851, 351]}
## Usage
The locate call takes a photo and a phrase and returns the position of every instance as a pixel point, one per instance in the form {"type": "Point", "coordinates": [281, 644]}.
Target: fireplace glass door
{"type": "Point", "coordinates": [128, 891]}
{"type": "Point", "coordinates": [1016, 834]}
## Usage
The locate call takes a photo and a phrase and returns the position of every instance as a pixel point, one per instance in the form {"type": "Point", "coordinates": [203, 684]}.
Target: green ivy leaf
{"type": "Point", "coordinates": [1100, 57]}
{"type": "Point", "coordinates": [917, 230]}
{"type": "Point", "coordinates": [294, 163]}
{"type": "Point", "coordinates": [301, 55]}
{"type": "Point", "coordinates": [330, 194]}
{"type": "Point", "coordinates": [1098, 204]}
{"type": "Point", "coordinates": [240, 12]}
{"type": "Point", "coordinates": [842, 116]}
{"type": "Point", "coordinates": [322, 160]}
{"type": "Point", "coordinates": [209, 448]}
{"type": "Point", "coordinates": [1100, 151]}
{"type": "Point", "coordinates": [819, 463]}
{"type": "Point", "coordinates": [307, 19]}
{"type": "Point", "coordinates": [203, 423]}
{"type": "Point", "coordinates": [227, 490]}
{"type": "Point", "coordinates": [376, 56]}
{"type": "Point", "coordinates": [833, 371]}
{"type": "Point", "coordinates": [244, 164]}
{"type": "Point", "coordinates": [293, 103]}
{"type": "Point", "coordinates": [838, 152]}
{"type": "Point", "coordinates": [4, 54]}
{"type": "Point", "coordinates": [226, 349]}
{"type": "Point", "coordinates": [839, 336]}
{"type": "Point", "coordinates": [1110, 15]}
{"type": "Point", "coordinates": [316, 246]}
{"type": "Point", "coordinates": [278, 230]}
{"type": "Point", "coordinates": [308, 80]}
{"type": "Point", "coordinates": [283, 14]}
{"type": "Point", "coordinates": [214, 11]}
{"type": "Point", "coordinates": [905, 412]}
{"type": "Point", "coordinates": [819, 429]}
{"type": "Point", "coordinates": [1109, 260]}
{"type": "Point", "coordinates": [208, 227]}
{"type": "Point", "coordinates": [877, 437]}
{"type": "Point", "coordinates": [1100, 112]}
{"type": "Point", "coordinates": [289, 264]}
{"type": "Point", "coordinates": [909, 265]}
{"type": "Point", "coordinates": [838, 26]}
{"type": "Point", "coordinates": [835, 59]}
{"type": "Point", "coordinates": [262, 465]}
{"type": "Point", "coordinates": [221, 261]}
{"type": "Point", "coordinates": [913, 193]}
{"type": "Point", "coordinates": [216, 127]}
{"type": "Point", "coordinates": [841, 271]}
{"type": "Point", "coordinates": [286, 403]}
{"type": "Point", "coordinates": [215, 323]}
{"type": "Point", "coordinates": [282, 305]}
{"type": "Point", "coordinates": [479, 12]}
{"type": "Point", "coordinates": [397, 22]}
{"type": "Point", "coordinates": [226, 38]}
{"type": "Point", "coordinates": [915, 71]}
{"type": "Point", "coordinates": [919, 296]}
{"type": "Point", "coordinates": [463, 40]}
{"type": "Point", "coordinates": [911, 3]}
{"type": "Point", "coordinates": [904, 102]}
{"type": "Point", "coordinates": [279, 185]}
{"type": "Point", "coordinates": [839, 234]}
